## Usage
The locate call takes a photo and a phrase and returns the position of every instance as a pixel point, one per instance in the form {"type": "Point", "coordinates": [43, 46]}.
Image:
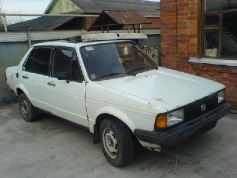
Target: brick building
{"type": "Point", "coordinates": [200, 37]}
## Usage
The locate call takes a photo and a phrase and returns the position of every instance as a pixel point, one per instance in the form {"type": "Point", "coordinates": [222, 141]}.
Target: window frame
{"type": "Point", "coordinates": [201, 25]}
{"type": "Point", "coordinates": [114, 42]}
{"type": "Point", "coordinates": [71, 62]}
{"type": "Point", "coordinates": [32, 52]}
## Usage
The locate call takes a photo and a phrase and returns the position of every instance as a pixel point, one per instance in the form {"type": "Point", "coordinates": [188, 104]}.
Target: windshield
{"type": "Point", "coordinates": [110, 60]}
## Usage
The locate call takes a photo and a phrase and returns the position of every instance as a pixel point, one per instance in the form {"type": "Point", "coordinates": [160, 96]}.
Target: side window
{"type": "Point", "coordinates": [76, 70]}
{"type": "Point", "coordinates": [38, 61]}
{"type": "Point", "coordinates": [28, 66]}
{"type": "Point", "coordinates": [62, 63]}
{"type": "Point", "coordinates": [65, 65]}
{"type": "Point", "coordinates": [41, 60]}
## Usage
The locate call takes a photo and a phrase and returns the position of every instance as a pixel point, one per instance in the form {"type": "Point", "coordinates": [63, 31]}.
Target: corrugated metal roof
{"type": "Point", "coordinates": [87, 7]}
{"type": "Point", "coordinates": [148, 8]}
{"type": "Point", "coordinates": [40, 23]}
{"type": "Point", "coordinates": [116, 20]}
{"type": "Point", "coordinates": [127, 17]}
{"type": "Point", "coordinates": [48, 23]}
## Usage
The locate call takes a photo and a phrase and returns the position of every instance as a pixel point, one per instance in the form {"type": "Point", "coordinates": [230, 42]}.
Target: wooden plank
{"type": "Point", "coordinates": [112, 36]}
{"type": "Point", "coordinates": [57, 35]}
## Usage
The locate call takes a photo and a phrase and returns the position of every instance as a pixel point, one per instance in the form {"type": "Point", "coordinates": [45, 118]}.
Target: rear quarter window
{"type": "Point", "coordinates": [38, 61]}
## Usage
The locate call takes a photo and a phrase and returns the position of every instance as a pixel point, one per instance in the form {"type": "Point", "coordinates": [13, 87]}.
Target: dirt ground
{"type": "Point", "coordinates": [52, 147]}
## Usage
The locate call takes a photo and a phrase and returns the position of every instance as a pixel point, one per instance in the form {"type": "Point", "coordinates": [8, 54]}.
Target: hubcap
{"type": "Point", "coordinates": [110, 143]}
{"type": "Point", "coordinates": [24, 108]}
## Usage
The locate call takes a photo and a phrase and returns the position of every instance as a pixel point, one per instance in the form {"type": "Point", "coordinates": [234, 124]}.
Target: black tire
{"type": "Point", "coordinates": [117, 142]}
{"type": "Point", "coordinates": [28, 112]}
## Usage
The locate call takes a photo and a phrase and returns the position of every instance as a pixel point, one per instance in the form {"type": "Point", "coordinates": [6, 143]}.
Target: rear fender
{"type": "Point", "coordinates": [23, 89]}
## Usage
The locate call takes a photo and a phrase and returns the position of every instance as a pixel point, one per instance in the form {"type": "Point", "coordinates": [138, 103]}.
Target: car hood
{"type": "Point", "coordinates": [166, 88]}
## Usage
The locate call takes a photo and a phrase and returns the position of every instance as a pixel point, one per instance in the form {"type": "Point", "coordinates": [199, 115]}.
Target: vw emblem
{"type": "Point", "coordinates": [203, 107]}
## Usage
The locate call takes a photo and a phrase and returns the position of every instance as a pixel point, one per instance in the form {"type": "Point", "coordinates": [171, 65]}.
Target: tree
{"type": "Point", "coordinates": [1, 7]}
{"type": "Point", "coordinates": [10, 19]}
{"type": "Point", "coordinates": [15, 19]}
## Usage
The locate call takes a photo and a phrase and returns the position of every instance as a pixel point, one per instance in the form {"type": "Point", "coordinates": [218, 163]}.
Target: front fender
{"type": "Point", "coordinates": [122, 116]}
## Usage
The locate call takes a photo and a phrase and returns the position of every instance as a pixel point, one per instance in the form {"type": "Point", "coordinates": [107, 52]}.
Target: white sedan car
{"type": "Point", "coordinates": [115, 90]}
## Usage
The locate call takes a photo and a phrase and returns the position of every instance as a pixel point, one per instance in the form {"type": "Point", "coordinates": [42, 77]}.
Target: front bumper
{"type": "Point", "coordinates": [176, 134]}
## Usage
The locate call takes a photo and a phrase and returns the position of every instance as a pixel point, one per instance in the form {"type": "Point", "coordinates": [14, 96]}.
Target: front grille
{"type": "Point", "coordinates": [193, 110]}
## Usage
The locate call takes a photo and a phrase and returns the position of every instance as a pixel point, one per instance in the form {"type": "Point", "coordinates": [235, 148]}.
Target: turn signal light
{"type": "Point", "coordinates": [161, 122]}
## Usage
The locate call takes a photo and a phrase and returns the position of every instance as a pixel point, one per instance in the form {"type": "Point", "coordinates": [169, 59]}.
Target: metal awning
{"type": "Point", "coordinates": [116, 20]}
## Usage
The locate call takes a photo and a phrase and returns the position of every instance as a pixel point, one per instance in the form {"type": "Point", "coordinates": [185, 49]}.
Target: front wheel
{"type": "Point", "coordinates": [117, 142]}
{"type": "Point", "coordinates": [28, 112]}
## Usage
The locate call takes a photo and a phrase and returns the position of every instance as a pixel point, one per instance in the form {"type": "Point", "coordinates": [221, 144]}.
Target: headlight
{"type": "Point", "coordinates": [170, 119]}
{"type": "Point", "coordinates": [221, 96]}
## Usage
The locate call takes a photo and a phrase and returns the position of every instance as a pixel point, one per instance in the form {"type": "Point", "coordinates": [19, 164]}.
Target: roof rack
{"type": "Point", "coordinates": [74, 39]}
{"type": "Point", "coordinates": [106, 37]}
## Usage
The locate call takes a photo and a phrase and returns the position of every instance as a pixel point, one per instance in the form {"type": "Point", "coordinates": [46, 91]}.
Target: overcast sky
{"type": "Point", "coordinates": [25, 6]}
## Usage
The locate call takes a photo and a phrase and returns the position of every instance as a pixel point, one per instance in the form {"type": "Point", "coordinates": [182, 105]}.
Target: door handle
{"type": "Point", "coordinates": [25, 77]}
{"type": "Point", "coordinates": [51, 84]}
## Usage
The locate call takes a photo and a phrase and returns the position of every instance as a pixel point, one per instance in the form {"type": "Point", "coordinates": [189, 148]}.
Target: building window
{"type": "Point", "coordinates": [220, 29]}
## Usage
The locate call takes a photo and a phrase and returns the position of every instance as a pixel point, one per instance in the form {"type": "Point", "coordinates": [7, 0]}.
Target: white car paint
{"type": "Point", "coordinates": [136, 100]}
{"type": "Point", "coordinates": [142, 97]}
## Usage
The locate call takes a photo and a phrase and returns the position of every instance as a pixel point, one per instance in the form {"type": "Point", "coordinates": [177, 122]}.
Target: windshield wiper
{"type": "Point", "coordinates": [144, 67]}
{"type": "Point", "coordinates": [110, 75]}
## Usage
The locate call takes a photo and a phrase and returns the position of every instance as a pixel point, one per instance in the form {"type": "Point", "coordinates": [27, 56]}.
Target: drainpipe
{"type": "Point", "coordinates": [177, 35]}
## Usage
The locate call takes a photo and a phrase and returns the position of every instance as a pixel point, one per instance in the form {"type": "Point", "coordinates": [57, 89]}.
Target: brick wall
{"type": "Point", "coordinates": [169, 42]}
{"type": "Point", "coordinates": [223, 74]}
{"type": "Point", "coordinates": [179, 34]}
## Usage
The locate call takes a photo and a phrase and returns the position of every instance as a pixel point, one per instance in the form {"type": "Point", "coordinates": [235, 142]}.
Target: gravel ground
{"type": "Point", "coordinates": [52, 147]}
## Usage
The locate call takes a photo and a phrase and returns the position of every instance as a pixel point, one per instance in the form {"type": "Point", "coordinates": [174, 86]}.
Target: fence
{"type": "Point", "coordinates": [13, 46]}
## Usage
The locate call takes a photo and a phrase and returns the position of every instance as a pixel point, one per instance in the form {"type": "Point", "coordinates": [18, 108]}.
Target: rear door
{"type": "Point", "coordinates": [67, 86]}
{"type": "Point", "coordinates": [35, 73]}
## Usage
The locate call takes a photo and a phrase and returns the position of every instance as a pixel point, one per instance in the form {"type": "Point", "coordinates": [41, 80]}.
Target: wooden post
{"type": "Point", "coordinates": [5, 23]}
{"type": "Point", "coordinates": [139, 28]}
{"type": "Point", "coordinates": [29, 38]}
{"type": "Point", "coordinates": [134, 29]}
{"type": "Point", "coordinates": [102, 29]}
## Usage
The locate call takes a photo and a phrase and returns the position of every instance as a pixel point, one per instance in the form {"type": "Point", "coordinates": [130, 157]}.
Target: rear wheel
{"type": "Point", "coordinates": [117, 142]}
{"type": "Point", "coordinates": [28, 112]}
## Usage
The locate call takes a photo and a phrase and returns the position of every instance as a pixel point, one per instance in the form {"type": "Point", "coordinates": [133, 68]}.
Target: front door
{"type": "Point", "coordinates": [67, 87]}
